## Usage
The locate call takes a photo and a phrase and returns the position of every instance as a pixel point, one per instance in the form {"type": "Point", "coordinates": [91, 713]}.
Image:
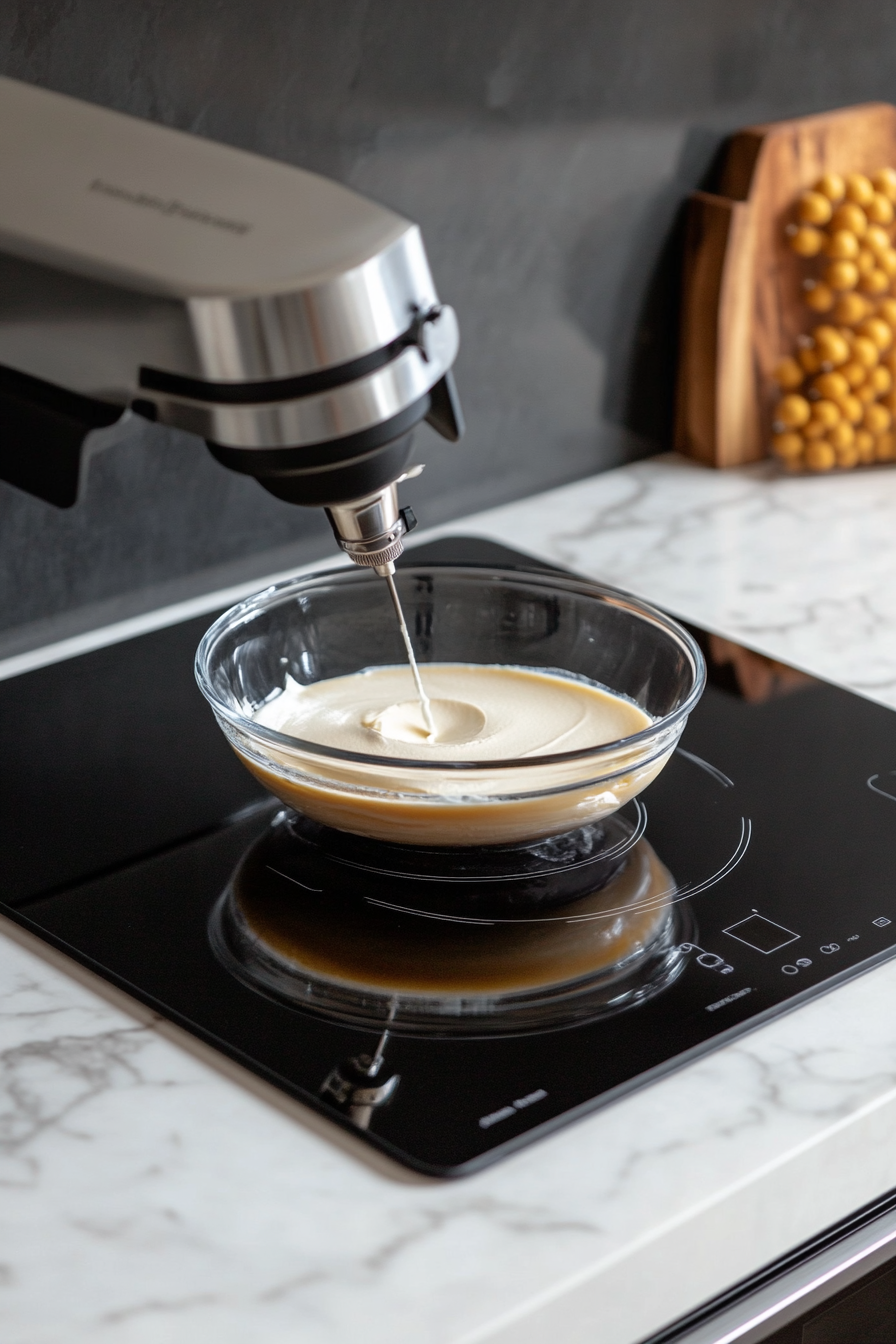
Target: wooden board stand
{"type": "Point", "coordinates": [743, 302]}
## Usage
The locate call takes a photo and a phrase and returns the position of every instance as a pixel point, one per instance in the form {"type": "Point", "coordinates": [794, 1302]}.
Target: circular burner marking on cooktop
{"type": "Point", "coordinates": [451, 972]}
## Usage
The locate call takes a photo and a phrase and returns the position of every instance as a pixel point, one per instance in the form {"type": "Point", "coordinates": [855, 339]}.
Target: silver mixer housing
{"type": "Point", "coordinates": [287, 320]}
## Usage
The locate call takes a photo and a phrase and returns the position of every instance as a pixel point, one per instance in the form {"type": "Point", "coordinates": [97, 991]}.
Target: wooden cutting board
{"type": "Point", "coordinates": [743, 304]}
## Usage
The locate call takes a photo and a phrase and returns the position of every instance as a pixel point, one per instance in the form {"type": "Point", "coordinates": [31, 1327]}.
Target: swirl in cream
{"type": "Point", "coordinates": [480, 712]}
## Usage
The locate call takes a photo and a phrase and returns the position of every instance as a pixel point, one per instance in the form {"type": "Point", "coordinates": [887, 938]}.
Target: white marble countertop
{"type": "Point", "coordinates": [151, 1191]}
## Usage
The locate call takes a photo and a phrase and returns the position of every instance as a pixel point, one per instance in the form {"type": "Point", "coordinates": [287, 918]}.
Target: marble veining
{"type": "Point", "coordinates": [155, 1196]}
{"type": "Point", "coordinates": [146, 1195]}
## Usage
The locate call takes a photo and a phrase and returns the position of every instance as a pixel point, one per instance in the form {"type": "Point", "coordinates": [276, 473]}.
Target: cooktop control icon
{"type": "Point", "coordinates": [762, 934]}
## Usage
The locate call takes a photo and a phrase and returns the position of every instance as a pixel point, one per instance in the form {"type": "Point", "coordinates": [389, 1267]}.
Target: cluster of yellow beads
{"type": "Point", "coordinates": [838, 407]}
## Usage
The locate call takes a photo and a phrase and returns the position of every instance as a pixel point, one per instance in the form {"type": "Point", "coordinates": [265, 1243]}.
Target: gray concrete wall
{"type": "Point", "coordinates": [545, 147]}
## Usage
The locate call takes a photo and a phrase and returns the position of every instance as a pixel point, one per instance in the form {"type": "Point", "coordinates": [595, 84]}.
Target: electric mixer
{"type": "Point", "coordinates": [286, 320]}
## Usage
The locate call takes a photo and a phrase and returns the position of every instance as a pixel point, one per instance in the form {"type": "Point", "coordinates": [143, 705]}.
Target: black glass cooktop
{"type": "Point", "coordinates": [776, 818]}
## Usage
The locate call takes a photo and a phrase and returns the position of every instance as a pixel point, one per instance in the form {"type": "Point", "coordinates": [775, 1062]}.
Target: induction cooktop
{"type": "Point", "coordinates": [776, 819]}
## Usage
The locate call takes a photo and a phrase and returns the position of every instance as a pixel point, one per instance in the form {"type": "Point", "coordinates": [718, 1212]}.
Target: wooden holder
{"type": "Point", "coordinates": [743, 305]}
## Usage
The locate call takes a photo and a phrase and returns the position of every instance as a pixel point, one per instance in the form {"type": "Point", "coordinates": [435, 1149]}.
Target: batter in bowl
{"type": "Point", "coordinates": [478, 712]}
{"type": "Point", "coordinates": [514, 753]}
{"type": "Point", "coordinates": [485, 713]}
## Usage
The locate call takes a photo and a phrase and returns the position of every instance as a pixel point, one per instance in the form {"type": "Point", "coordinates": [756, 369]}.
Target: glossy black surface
{"type": "Point", "coordinates": [491, 880]}
{"type": "Point", "coordinates": [777, 818]}
{"type": "Point", "coordinates": [382, 950]}
{"type": "Point", "coordinates": [109, 756]}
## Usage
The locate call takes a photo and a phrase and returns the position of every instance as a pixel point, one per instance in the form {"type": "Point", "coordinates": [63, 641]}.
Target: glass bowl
{"type": "Point", "coordinates": [342, 621]}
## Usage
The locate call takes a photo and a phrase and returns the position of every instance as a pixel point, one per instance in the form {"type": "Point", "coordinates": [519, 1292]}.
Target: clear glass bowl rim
{"type": "Point", "coordinates": [243, 612]}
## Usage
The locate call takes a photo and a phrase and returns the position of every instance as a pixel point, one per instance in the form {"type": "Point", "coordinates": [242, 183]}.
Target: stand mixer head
{"type": "Point", "coordinates": [291, 323]}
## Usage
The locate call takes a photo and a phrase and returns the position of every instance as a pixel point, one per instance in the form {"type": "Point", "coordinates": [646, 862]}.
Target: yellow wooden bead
{"type": "Point", "coordinates": [841, 245]}
{"type": "Point", "coordinates": [881, 380]}
{"type": "Point", "coordinates": [885, 447]}
{"type": "Point", "coordinates": [792, 411]}
{"type": "Point", "coordinates": [876, 329]}
{"type": "Point", "coordinates": [832, 385]}
{"type": "Point", "coordinates": [887, 262]}
{"type": "Point", "coordinates": [850, 308]}
{"type": "Point", "coordinates": [842, 436]}
{"type": "Point", "coordinates": [847, 458]}
{"type": "Point", "coordinates": [852, 217]}
{"type": "Point", "coordinates": [865, 446]}
{"type": "Point", "coordinates": [887, 312]}
{"type": "Point", "coordinates": [813, 208]}
{"type": "Point", "coordinates": [879, 210]}
{"type": "Point", "coordinates": [876, 419]}
{"type": "Point", "coordinates": [830, 346]}
{"type": "Point", "coordinates": [825, 413]}
{"type": "Point", "coordinates": [842, 275]}
{"type": "Point", "coordinates": [884, 181]}
{"type": "Point", "coordinates": [820, 297]}
{"type": "Point", "coordinates": [787, 446]}
{"type": "Point", "coordinates": [854, 372]}
{"type": "Point", "coordinates": [825, 331]}
{"type": "Point", "coordinates": [832, 186]}
{"type": "Point", "coordinates": [877, 239]}
{"type": "Point", "coordinates": [866, 261]}
{"type": "Point", "coordinates": [865, 352]}
{"type": "Point", "coordinates": [807, 241]}
{"type": "Point", "coordinates": [809, 358]}
{"type": "Point", "coordinates": [859, 189]}
{"type": "Point", "coordinates": [788, 374]}
{"type": "Point", "coordinates": [820, 456]}
{"type": "Point", "coordinates": [878, 282]}
{"type": "Point", "coordinates": [866, 393]}
{"type": "Point", "coordinates": [851, 409]}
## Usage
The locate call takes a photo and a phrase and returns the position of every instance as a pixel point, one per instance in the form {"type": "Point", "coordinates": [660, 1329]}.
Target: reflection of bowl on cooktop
{"type": "Point", "coordinates": [496, 940]}
{"type": "Point", "coordinates": [489, 881]}
{"type": "Point", "coordinates": [468, 951]}
{"type": "Point", "coordinates": [333, 624]}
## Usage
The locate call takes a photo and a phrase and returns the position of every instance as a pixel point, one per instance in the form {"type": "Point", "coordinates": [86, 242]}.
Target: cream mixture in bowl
{"type": "Point", "coordinates": [549, 701]}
